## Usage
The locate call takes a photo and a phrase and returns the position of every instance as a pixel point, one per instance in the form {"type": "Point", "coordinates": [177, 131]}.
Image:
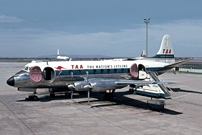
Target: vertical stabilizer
{"type": "Point", "coordinates": [143, 54]}
{"type": "Point", "coordinates": [62, 58]}
{"type": "Point", "coordinates": [165, 53]}
{"type": "Point", "coordinates": [58, 53]}
{"type": "Point", "coordinates": [166, 46]}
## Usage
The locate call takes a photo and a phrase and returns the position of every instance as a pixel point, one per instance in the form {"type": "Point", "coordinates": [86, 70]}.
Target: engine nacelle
{"type": "Point", "coordinates": [79, 86]}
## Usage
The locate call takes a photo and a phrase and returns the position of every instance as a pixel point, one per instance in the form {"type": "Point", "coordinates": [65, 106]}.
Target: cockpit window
{"type": "Point", "coordinates": [26, 68]}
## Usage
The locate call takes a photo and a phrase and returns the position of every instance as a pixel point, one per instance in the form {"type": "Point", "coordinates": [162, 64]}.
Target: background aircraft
{"type": "Point", "coordinates": [62, 58]}
{"type": "Point", "coordinates": [99, 76]}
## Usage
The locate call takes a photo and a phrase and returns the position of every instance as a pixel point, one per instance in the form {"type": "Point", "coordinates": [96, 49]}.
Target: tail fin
{"type": "Point", "coordinates": [58, 52]}
{"type": "Point", "coordinates": [62, 58]}
{"type": "Point", "coordinates": [165, 52]}
{"type": "Point", "coordinates": [166, 46]}
{"type": "Point", "coordinates": [143, 54]}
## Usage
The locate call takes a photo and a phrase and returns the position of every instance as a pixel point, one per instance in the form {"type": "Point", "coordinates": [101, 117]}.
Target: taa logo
{"type": "Point", "coordinates": [166, 51]}
{"type": "Point", "coordinates": [77, 66]}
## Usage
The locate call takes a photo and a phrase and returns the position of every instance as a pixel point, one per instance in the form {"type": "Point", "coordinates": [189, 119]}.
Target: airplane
{"type": "Point", "coordinates": [100, 76]}
{"type": "Point", "coordinates": [62, 58]}
{"type": "Point", "coordinates": [165, 53]}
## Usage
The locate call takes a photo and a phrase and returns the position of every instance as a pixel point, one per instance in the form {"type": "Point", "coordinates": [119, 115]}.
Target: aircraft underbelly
{"type": "Point", "coordinates": [64, 80]}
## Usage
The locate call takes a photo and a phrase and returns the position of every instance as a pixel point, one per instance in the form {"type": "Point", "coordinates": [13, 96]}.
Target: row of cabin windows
{"type": "Point", "coordinates": [95, 71]}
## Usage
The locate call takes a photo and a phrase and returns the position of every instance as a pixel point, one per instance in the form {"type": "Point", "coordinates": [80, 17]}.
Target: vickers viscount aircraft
{"type": "Point", "coordinates": [99, 76]}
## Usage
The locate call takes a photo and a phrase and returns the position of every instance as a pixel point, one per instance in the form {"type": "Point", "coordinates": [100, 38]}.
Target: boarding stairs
{"type": "Point", "coordinates": [153, 75]}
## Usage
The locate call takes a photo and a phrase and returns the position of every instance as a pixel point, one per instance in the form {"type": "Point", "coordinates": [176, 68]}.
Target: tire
{"type": "Point", "coordinates": [35, 98]}
{"type": "Point", "coordinates": [109, 96]}
{"type": "Point", "coordinates": [52, 94]}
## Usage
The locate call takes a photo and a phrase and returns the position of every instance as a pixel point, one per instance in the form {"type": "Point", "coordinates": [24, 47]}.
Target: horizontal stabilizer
{"type": "Point", "coordinates": [171, 66]}
{"type": "Point", "coordinates": [178, 63]}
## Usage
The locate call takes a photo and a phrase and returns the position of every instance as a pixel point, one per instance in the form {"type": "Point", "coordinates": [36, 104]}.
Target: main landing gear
{"type": "Point", "coordinates": [109, 96]}
{"type": "Point", "coordinates": [52, 94]}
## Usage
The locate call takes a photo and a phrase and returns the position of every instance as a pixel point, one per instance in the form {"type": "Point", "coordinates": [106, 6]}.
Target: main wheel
{"type": "Point", "coordinates": [35, 98]}
{"type": "Point", "coordinates": [109, 96]}
{"type": "Point", "coordinates": [131, 90]}
{"type": "Point", "coordinates": [66, 94]}
{"type": "Point", "coordinates": [52, 94]}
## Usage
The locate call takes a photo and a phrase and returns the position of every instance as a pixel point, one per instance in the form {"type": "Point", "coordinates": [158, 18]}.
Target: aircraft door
{"type": "Point", "coordinates": [35, 74]}
{"type": "Point", "coordinates": [134, 70]}
{"type": "Point", "coordinates": [48, 74]}
{"type": "Point", "coordinates": [142, 72]}
{"type": "Point", "coordinates": [138, 71]}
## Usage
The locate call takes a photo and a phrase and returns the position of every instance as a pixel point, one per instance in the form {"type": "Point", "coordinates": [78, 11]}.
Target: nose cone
{"type": "Point", "coordinates": [11, 81]}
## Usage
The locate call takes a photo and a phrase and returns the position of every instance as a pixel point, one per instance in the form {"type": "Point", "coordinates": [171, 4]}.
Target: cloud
{"type": "Point", "coordinates": [10, 19]}
{"type": "Point", "coordinates": [185, 36]}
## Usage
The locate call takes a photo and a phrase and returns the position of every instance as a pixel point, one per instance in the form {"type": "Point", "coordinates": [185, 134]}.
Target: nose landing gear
{"type": "Point", "coordinates": [32, 97]}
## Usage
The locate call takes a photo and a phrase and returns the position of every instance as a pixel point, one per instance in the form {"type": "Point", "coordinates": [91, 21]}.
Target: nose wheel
{"type": "Point", "coordinates": [32, 97]}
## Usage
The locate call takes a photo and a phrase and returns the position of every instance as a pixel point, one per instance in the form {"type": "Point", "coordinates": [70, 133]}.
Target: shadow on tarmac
{"type": "Point", "coordinates": [119, 99]}
{"type": "Point", "coordinates": [182, 90]}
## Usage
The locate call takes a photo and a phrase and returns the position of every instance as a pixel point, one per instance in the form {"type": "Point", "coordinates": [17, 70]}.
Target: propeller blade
{"type": "Point", "coordinates": [88, 95]}
{"type": "Point", "coordinates": [72, 87]}
{"type": "Point", "coordinates": [89, 88]}
{"type": "Point", "coordinates": [71, 93]}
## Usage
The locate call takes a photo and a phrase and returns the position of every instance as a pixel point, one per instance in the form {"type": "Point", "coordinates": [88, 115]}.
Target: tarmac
{"type": "Point", "coordinates": [126, 115]}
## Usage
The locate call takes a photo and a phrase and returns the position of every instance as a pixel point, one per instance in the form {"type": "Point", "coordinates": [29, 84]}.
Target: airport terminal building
{"type": "Point", "coordinates": [194, 65]}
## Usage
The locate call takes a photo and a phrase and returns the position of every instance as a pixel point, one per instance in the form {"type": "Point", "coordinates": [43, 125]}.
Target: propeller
{"type": "Point", "coordinates": [88, 86]}
{"type": "Point", "coordinates": [71, 86]}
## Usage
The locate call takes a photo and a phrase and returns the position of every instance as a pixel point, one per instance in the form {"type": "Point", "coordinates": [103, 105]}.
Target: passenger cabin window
{"type": "Point", "coordinates": [102, 71]}
{"type": "Point", "coordinates": [115, 71]}
{"type": "Point", "coordinates": [78, 72]}
{"type": "Point", "coordinates": [70, 71]}
{"type": "Point", "coordinates": [83, 72]}
{"type": "Point", "coordinates": [94, 71]}
{"type": "Point", "coordinates": [87, 72]}
{"type": "Point", "coordinates": [108, 71]}
{"type": "Point", "coordinates": [122, 70]}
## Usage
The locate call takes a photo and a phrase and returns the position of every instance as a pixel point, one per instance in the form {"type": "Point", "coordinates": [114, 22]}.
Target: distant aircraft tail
{"type": "Point", "coordinates": [62, 58]}
{"type": "Point", "coordinates": [165, 52]}
{"type": "Point", "coordinates": [143, 54]}
{"type": "Point", "coordinates": [58, 53]}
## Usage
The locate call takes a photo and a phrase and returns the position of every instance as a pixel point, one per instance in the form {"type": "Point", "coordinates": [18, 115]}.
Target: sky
{"type": "Point", "coordinates": [114, 28]}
